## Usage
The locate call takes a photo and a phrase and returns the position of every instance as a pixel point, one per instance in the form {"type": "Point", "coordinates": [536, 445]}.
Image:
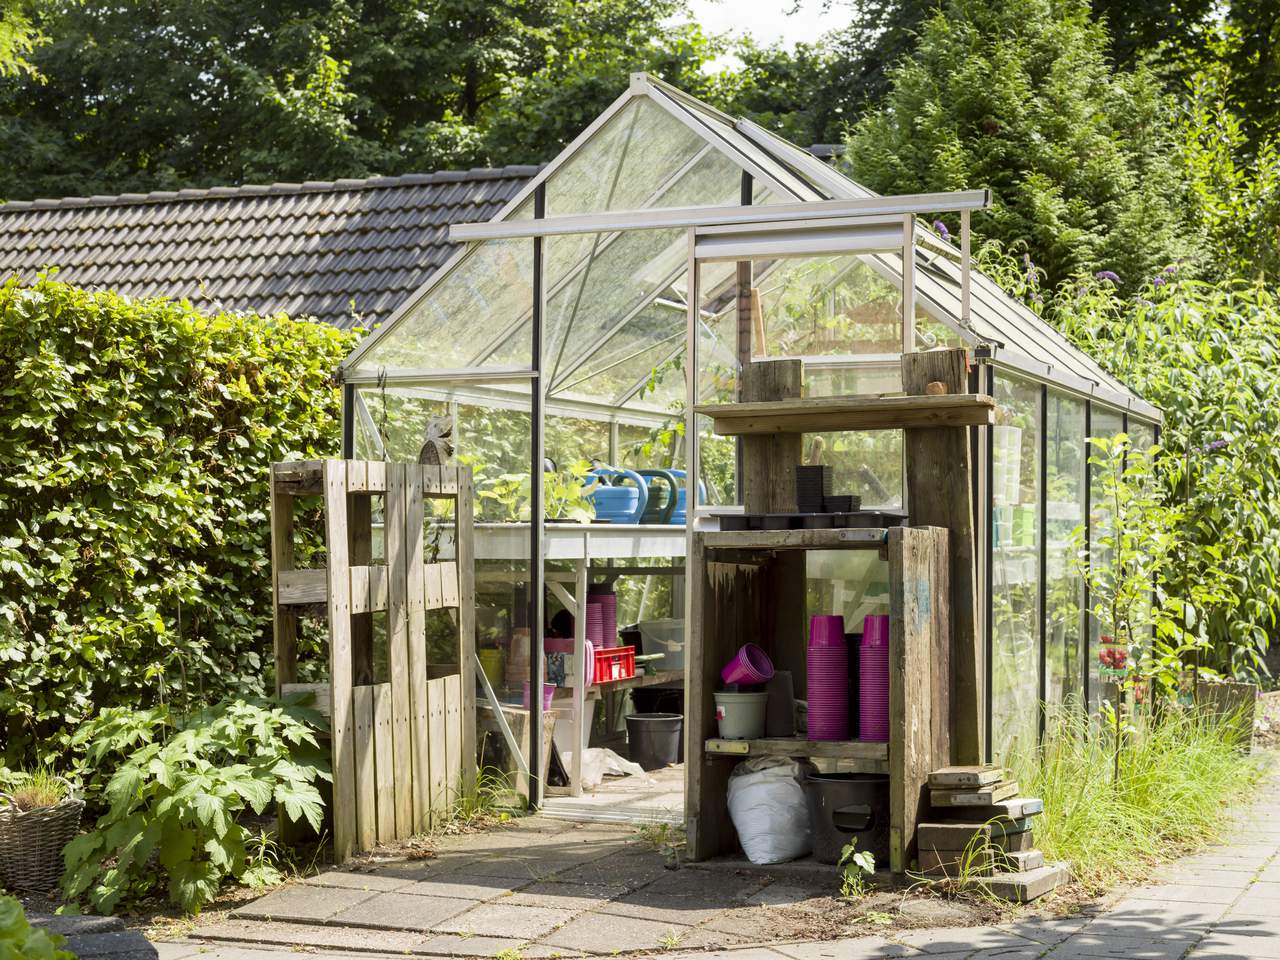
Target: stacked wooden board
{"type": "Point", "coordinates": [981, 828]}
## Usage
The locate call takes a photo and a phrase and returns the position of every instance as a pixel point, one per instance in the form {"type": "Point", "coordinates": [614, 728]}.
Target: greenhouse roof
{"type": "Point", "coordinates": [615, 309]}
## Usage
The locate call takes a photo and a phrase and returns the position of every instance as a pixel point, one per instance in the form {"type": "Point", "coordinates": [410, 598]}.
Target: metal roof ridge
{"type": "Point", "coordinates": [249, 190]}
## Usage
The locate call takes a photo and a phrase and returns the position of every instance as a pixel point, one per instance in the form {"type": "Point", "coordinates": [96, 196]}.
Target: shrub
{"type": "Point", "coordinates": [135, 438]}
{"type": "Point", "coordinates": [177, 792]}
{"type": "Point", "coordinates": [21, 941]}
{"type": "Point", "coordinates": [1209, 356]}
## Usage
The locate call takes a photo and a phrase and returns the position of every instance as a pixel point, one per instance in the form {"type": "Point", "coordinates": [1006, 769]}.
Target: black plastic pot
{"type": "Point", "coordinates": [653, 739]}
{"type": "Point", "coordinates": [848, 806]}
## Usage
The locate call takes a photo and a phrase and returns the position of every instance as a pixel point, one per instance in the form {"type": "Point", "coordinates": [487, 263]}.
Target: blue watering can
{"type": "Point", "coordinates": [667, 501]}
{"type": "Point", "coordinates": [614, 500]}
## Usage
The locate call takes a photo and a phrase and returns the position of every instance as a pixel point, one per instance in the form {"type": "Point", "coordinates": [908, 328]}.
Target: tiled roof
{"type": "Point", "coordinates": [321, 249]}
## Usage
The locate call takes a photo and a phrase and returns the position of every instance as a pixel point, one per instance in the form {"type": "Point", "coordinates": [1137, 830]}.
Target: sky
{"type": "Point", "coordinates": [767, 20]}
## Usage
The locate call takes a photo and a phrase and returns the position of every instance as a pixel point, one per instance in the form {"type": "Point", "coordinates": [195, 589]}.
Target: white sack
{"type": "Point", "coordinates": [768, 809]}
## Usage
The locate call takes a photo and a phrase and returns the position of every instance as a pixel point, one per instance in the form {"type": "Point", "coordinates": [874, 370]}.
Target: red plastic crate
{"type": "Point", "coordinates": [615, 663]}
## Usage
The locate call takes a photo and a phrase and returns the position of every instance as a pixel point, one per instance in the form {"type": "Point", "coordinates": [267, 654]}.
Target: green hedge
{"type": "Point", "coordinates": [135, 438]}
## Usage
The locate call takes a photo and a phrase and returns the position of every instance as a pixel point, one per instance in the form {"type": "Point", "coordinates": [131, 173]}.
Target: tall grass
{"type": "Point", "coordinates": [1178, 774]}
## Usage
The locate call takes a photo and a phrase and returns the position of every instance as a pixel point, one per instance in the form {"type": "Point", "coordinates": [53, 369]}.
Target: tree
{"type": "Point", "coordinates": [1017, 96]}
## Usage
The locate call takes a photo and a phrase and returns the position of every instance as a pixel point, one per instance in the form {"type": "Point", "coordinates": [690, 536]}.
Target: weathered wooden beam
{"type": "Point", "coordinates": [829, 414]}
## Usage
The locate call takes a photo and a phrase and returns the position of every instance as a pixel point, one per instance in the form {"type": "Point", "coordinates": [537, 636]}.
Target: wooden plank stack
{"type": "Point", "coordinates": [982, 829]}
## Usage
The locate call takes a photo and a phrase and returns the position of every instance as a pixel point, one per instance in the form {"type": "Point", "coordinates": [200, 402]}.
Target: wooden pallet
{"type": "Point", "coordinates": [403, 750]}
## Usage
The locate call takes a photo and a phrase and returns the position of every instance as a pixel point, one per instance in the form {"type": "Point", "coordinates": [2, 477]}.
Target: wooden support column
{"type": "Point", "coordinates": [769, 486]}
{"type": "Point", "coordinates": [939, 493]}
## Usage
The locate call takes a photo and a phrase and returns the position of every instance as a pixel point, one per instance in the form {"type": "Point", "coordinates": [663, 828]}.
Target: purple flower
{"type": "Point", "coordinates": [942, 229]}
{"type": "Point", "coordinates": [1106, 275]}
{"type": "Point", "coordinates": [1159, 281]}
{"type": "Point", "coordinates": [1171, 268]}
{"type": "Point", "coordinates": [1214, 445]}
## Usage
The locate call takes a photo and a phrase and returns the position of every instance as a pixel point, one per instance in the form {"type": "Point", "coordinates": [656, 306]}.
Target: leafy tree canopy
{"type": "Point", "coordinates": [152, 95]}
{"type": "Point", "coordinates": [1018, 96]}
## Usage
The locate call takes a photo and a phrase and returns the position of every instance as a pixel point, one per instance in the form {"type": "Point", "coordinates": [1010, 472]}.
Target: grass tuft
{"type": "Point", "coordinates": [37, 790]}
{"type": "Point", "coordinates": [1179, 773]}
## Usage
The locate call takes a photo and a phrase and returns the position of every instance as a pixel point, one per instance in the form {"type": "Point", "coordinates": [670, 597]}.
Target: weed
{"type": "Point", "coordinates": [668, 839]}
{"type": "Point", "coordinates": [669, 940]}
{"type": "Point", "coordinates": [856, 867]}
{"type": "Point", "coordinates": [508, 953]}
{"type": "Point", "coordinates": [879, 918]}
{"type": "Point", "coordinates": [1180, 771]}
{"type": "Point", "coordinates": [490, 800]}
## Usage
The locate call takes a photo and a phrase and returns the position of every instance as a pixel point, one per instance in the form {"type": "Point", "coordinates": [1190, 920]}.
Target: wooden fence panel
{"type": "Point", "coordinates": [384, 744]}
{"type": "Point", "coordinates": [366, 767]}
{"type": "Point", "coordinates": [438, 758]}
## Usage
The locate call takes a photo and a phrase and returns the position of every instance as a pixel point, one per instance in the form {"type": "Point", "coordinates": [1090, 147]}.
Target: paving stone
{"type": "Point", "coordinates": [302, 901]}
{"type": "Point", "coordinates": [631, 871]}
{"type": "Point", "coordinates": [518, 868]}
{"type": "Point", "coordinates": [957, 939]}
{"type": "Point", "coordinates": [684, 897]}
{"type": "Point", "coordinates": [1224, 945]}
{"type": "Point", "coordinates": [402, 911]}
{"type": "Point", "coordinates": [742, 953]}
{"type": "Point", "coordinates": [452, 945]}
{"type": "Point", "coordinates": [465, 886]}
{"type": "Point", "coordinates": [559, 895]}
{"type": "Point", "coordinates": [1048, 932]}
{"type": "Point", "coordinates": [352, 880]}
{"type": "Point", "coordinates": [412, 870]}
{"type": "Point", "coordinates": [113, 944]}
{"type": "Point", "coordinates": [177, 951]}
{"type": "Point", "coordinates": [1086, 947]}
{"type": "Point", "coordinates": [1186, 893]}
{"type": "Point", "coordinates": [74, 924]}
{"type": "Point", "coordinates": [856, 948]}
{"type": "Point", "coordinates": [308, 935]}
{"type": "Point", "coordinates": [1231, 879]}
{"type": "Point", "coordinates": [704, 938]}
{"type": "Point", "coordinates": [783, 895]}
{"type": "Point", "coordinates": [504, 920]}
{"type": "Point", "coordinates": [1139, 926]}
{"type": "Point", "coordinates": [597, 933]}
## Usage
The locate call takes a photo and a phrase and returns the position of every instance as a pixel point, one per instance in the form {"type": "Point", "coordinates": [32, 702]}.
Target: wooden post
{"type": "Point", "coordinates": [940, 493]}
{"type": "Point", "coordinates": [919, 647]}
{"type": "Point", "coordinates": [341, 728]}
{"type": "Point", "coordinates": [285, 620]}
{"type": "Point", "coordinates": [360, 554]}
{"type": "Point", "coordinates": [398, 644]}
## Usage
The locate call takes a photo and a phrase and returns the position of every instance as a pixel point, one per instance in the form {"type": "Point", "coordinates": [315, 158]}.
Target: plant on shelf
{"type": "Point", "coordinates": [38, 816]}
{"type": "Point", "coordinates": [176, 790]}
{"type": "Point", "coordinates": [566, 493]}
{"type": "Point", "coordinates": [856, 869]}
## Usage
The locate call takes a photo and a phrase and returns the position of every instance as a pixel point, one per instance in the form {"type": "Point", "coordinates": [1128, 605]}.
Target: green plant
{"type": "Point", "coordinates": [1182, 770]}
{"type": "Point", "coordinates": [879, 918]}
{"type": "Point", "coordinates": [40, 788]}
{"type": "Point", "coordinates": [669, 940]}
{"type": "Point", "coordinates": [135, 439]}
{"type": "Point", "coordinates": [490, 799]}
{"type": "Point", "coordinates": [565, 494]}
{"type": "Point", "coordinates": [508, 953]}
{"type": "Point", "coordinates": [177, 792]}
{"type": "Point", "coordinates": [21, 941]}
{"type": "Point", "coordinates": [856, 869]}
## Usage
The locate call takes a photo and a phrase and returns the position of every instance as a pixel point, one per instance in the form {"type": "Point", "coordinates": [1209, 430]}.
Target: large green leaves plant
{"type": "Point", "coordinates": [177, 793]}
{"type": "Point", "coordinates": [135, 440]}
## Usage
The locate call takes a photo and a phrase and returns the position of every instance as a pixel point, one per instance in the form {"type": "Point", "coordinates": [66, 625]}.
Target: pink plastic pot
{"type": "Point", "coordinates": [826, 630]}
{"type": "Point", "coordinates": [548, 693]}
{"type": "Point", "coordinates": [750, 665]}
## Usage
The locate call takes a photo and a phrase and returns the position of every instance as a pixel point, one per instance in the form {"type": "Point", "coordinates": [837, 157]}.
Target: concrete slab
{"type": "Point", "coordinates": [402, 911]}
{"type": "Point", "coordinates": [505, 920]}
{"type": "Point", "coordinates": [351, 880]}
{"type": "Point", "coordinates": [860, 948]}
{"type": "Point", "coordinates": [303, 901]}
{"type": "Point", "coordinates": [597, 933]}
{"type": "Point", "coordinates": [959, 939]}
{"type": "Point", "coordinates": [1129, 948]}
{"type": "Point", "coordinates": [1221, 946]}
{"type": "Point", "coordinates": [452, 945]}
{"type": "Point", "coordinates": [309, 936]}
{"type": "Point", "coordinates": [465, 886]}
{"type": "Point", "coordinates": [1185, 893]}
{"type": "Point", "coordinates": [558, 895]}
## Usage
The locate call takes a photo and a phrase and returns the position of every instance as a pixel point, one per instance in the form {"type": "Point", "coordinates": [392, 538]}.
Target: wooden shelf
{"type": "Point", "coordinates": [800, 747]}
{"type": "Point", "coordinates": [832, 539]}
{"type": "Point", "coordinates": [819, 415]}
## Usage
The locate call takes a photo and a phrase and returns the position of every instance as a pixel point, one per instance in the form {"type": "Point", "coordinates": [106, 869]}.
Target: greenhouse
{"type": "Point", "coordinates": [632, 280]}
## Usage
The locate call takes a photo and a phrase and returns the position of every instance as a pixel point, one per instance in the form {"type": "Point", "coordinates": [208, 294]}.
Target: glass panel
{"type": "Point", "coordinates": [489, 290]}
{"type": "Point", "coordinates": [1104, 423]}
{"type": "Point", "coordinates": [1065, 458]}
{"type": "Point", "coordinates": [1015, 566]}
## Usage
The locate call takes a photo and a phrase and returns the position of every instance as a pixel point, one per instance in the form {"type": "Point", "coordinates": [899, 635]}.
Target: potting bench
{"type": "Point", "coordinates": [750, 586]}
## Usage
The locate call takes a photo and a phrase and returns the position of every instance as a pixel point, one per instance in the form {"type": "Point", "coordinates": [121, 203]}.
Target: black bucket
{"type": "Point", "coordinates": [848, 806]}
{"type": "Point", "coordinates": [654, 739]}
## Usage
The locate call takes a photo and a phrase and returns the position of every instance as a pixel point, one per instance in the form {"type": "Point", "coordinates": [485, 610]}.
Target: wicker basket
{"type": "Point", "coordinates": [31, 843]}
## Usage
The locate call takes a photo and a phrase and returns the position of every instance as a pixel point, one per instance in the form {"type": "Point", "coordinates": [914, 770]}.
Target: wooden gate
{"type": "Point", "coordinates": [403, 750]}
